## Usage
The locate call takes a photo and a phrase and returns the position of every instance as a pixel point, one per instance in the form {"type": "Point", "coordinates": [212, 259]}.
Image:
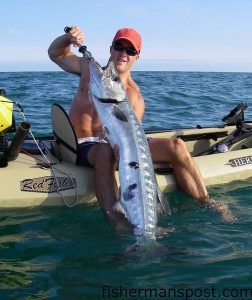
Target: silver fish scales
{"type": "Point", "coordinates": [123, 130]}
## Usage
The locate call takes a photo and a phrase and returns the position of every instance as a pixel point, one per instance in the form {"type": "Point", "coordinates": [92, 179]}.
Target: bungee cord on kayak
{"type": "Point", "coordinates": [11, 152]}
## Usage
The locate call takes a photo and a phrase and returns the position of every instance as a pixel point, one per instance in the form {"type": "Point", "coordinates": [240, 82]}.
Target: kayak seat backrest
{"type": "Point", "coordinates": [66, 143]}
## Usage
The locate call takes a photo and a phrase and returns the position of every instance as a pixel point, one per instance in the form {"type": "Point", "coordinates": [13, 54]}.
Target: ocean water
{"type": "Point", "coordinates": [63, 253]}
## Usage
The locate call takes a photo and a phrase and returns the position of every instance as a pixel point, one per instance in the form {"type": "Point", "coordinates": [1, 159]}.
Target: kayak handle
{"type": "Point", "coordinates": [82, 48]}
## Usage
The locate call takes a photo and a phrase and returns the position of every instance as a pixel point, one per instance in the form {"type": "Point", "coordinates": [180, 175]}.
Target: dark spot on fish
{"type": "Point", "coordinates": [133, 186]}
{"type": "Point", "coordinates": [119, 114]}
{"type": "Point", "coordinates": [134, 164]}
{"type": "Point", "coordinates": [107, 100]}
{"type": "Point", "coordinates": [129, 193]}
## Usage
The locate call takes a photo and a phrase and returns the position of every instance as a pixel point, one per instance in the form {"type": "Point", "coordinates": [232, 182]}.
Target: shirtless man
{"type": "Point", "coordinates": [124, 51]}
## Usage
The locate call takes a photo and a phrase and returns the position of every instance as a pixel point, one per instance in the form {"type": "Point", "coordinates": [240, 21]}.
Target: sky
{"type": "Point", "coordinates": [178, 35]}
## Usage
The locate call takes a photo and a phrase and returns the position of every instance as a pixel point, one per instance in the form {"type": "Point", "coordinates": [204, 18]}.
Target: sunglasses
{"type": "Point", "coordinates": [129, 50]}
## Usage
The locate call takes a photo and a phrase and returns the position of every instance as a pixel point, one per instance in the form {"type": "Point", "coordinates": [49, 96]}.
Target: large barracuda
{"type": "Point", "coordinates": [138, 187]}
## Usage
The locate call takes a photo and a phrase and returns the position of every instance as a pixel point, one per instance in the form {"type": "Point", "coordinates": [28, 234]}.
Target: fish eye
{"type": "Point", "coordinates": [116, 79]}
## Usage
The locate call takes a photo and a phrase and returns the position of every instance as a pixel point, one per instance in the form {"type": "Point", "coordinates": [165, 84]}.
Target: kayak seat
{"type": "Point", "coordinates": [65, 146]}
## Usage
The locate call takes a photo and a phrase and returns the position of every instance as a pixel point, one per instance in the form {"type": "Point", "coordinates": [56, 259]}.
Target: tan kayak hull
{"type": "Point", "coordinates": [24, 183]}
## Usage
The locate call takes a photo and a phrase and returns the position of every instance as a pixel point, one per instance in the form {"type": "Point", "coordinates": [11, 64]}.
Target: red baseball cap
{"type": "Point", "coordinates": [130, 35]}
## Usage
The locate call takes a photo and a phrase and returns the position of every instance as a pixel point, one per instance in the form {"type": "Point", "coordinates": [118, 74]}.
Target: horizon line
{"type": "Point", "coordinates": [173, 65]}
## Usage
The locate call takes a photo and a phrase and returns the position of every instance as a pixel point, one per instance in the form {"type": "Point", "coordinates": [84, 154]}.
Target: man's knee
{"type": "Point", "coordinates": [168, 150]}
{"type": "Point", "coordinates": [179, 149]}
{"type": "Point", "coordinates": [175, 148]}
{"type": "Point", "coordinates": [179, 145]}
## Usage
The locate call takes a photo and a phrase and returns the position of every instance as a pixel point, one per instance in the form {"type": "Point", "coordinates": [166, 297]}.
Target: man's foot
{"type": "Point", "coordinates": [220, 207]}
{"type": "Point", "coordinates": [119, 222]}
{"type": "Point", "coordinates": [224, 211]}
{"type": "Point", "coordinates": [161, 232]}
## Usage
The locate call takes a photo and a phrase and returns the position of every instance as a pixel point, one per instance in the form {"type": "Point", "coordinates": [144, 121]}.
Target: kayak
{"type": "Point", "coordinates": [45, 173]}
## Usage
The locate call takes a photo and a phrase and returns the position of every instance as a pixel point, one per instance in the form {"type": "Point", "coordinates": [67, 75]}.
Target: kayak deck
{"type": "Point", "coordinates": [27, 182]}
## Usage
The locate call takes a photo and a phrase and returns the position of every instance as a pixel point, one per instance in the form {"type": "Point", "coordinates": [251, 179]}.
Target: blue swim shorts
{"type": "Point", "coordinates": [85, 144]}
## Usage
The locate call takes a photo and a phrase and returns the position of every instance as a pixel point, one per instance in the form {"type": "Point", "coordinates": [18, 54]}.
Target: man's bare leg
{"type": "Point", "coordinates": [174, 152]}
{"type": "Point", "coordinates": [187, 174]}
{"type": "Point", "coordinates": [101, 156]}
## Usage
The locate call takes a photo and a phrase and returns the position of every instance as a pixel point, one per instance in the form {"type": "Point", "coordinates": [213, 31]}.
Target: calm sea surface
{"type": "Point", "coordinates": [63, 253]}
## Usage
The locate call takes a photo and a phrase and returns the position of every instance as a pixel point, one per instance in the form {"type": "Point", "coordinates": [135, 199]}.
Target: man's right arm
{"type": "Point", "coordinates": [59, 51]}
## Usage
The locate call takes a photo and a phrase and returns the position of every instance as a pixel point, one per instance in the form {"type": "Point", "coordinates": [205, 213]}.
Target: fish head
{"type": "Point", "coordinates": [105, 82]}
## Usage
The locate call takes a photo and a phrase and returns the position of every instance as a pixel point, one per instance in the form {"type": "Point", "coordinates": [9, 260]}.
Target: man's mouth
{"type": "Point", "coordinates": [122, 60]}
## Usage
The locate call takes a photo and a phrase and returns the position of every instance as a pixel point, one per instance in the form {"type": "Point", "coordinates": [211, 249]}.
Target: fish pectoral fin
{"type": "Point", "coordinates": [162, 203]}
{"type": "Point", "coordinates": [163, 208]}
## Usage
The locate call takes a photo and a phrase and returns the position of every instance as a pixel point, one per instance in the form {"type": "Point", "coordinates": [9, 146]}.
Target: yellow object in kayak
{"type": "Point", "coordinates": [6, 109]}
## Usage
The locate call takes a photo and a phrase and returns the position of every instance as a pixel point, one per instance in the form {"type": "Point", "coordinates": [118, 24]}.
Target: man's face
{"type": "Point", "coordinates": [123, 61]}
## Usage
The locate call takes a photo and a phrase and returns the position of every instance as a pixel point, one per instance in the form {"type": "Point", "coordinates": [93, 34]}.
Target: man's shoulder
{"type": "Point", "coordinates": [134, 94]}
{"type": "Point", "coordinates": [133, 86]}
